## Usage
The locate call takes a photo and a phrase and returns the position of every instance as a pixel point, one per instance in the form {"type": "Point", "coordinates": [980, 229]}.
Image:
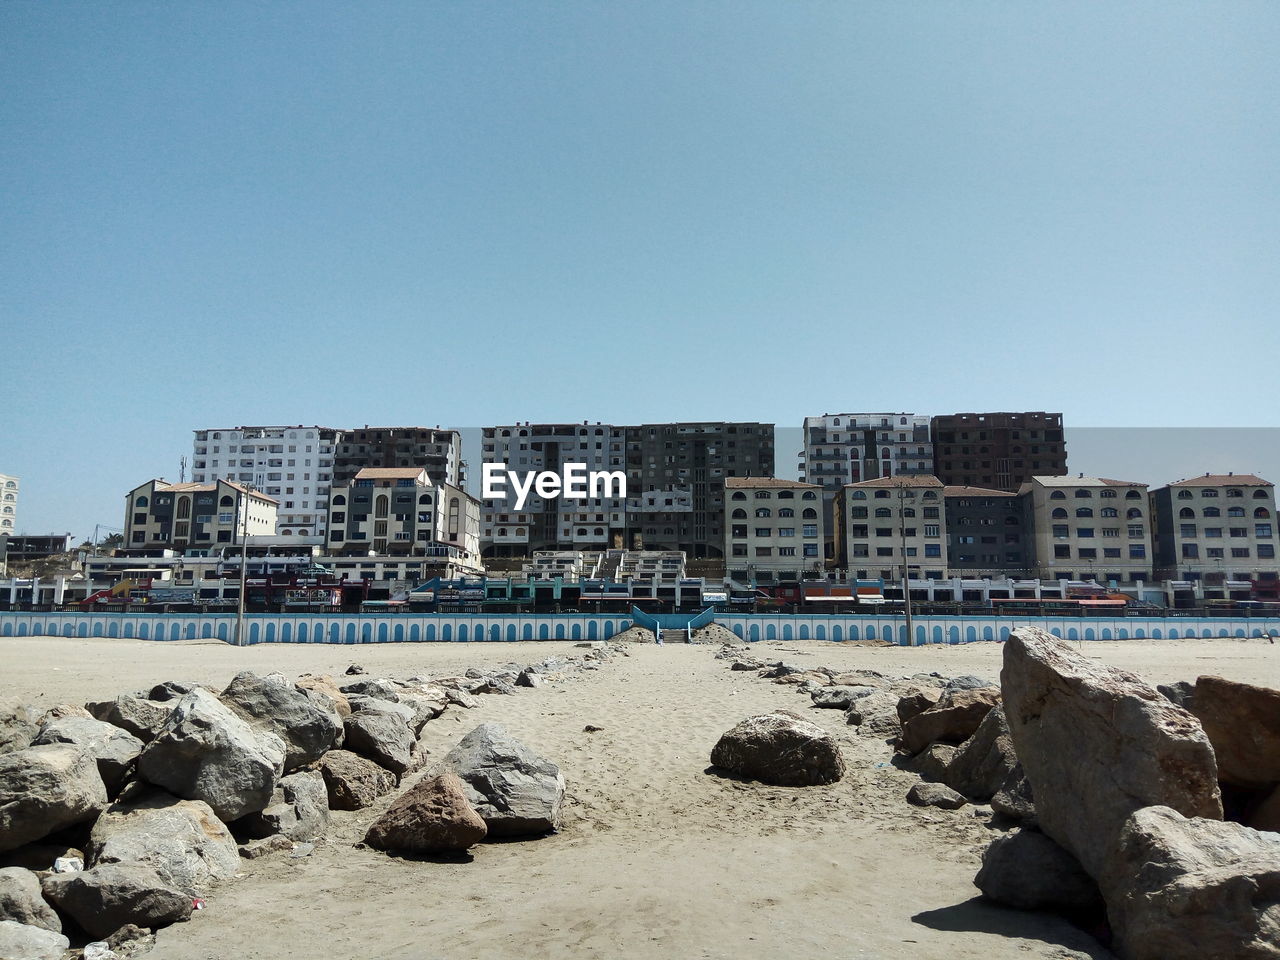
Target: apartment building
{"type": "Point", "coordinates": [437, 451]}
{"type": "Point", "coordinates": [399, 511]}
{"type": "Point", "coordinates": [195, 517]}
{"type": "Point", "coordinates": [1000, 451]}
{"type": "Point", "coordinates": [774, 530]}
{"type": "Point", "coordinates": [9, 488]}
{"type": "Point", "coordinates": [1088, 528]}
{"type": "Point", "coordinates": [1216, 528]}
{"type": "Point", "coordinates": [292, 464]}
{"type": "Point", "coordinates": [890, 524]}
{"type": "Point", "coordinates": [986, 533]}
{"type": "Point", "coordinates": [841, 448]}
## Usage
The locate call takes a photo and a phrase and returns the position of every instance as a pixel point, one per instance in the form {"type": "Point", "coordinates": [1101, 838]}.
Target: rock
{"type": "Point", "coordinates": [462, 699]}
{"type": "Point", "coordinates": [207, 752]}
{"type": "Point", "coordinates": [1026, 870]}
{"type": "Point", "coordinates": [775, 670]}
{"type": "Point", "coordinates": [1267, 814]}
{"type": "Point", "coordinates": [181, 839]}
{"type": "Point", "coordinates": [172, 690]}
{"type": "Point", "coordinates": [352, 781]}
{"type": "Point", "coordinates": [309, 727]}
{"type": "Point", "coordinates": [1097, 743]}
{"type": "Point", "coordinates": [276, 843]}
{"type": "Point", "coordinates": [130, 941]}
{"type": "Point", "coordinates": [967, 682]}
{"type": "Point", "coordinates": [378, 688]}
{"type": "Point", "coordinates": [917, 702]}
{"type": "Point", "coordinates": [1242, 722]}
{"type": "Point", "coordinates": [750, 664]}
{"type": "Point", "coordinates": [384, 738]}
{"type": "Point", "coordinates": [1189, 889]}
{"type": "Point", "coordinates": [142, 718]}
{"type": "Point", "coordinates": [22, 941]}
{"type": "Point", "coordinates": [780, 748]}
{"type": "Point", "coordinates": [515, 791]}
{"type": "Point", "coordinates": [46, 788]}
{"type": "Point", "coordinates": [433, 816]}
{"type": "Point", "coordinates": [953, 719]}
{"type": "Point", "coordinates": [107, 897]}
{"type": "Point", "coordinates": [839, 698]}
{"type": "Point", "coordinates": [1014, 799]}
{"type": "Point", "coordinates": [63, 710]}
{"type": "Point", "coordinates": [427, 703]}
{"type": "Point", "coordinates": [21, 900]}
{"type": "Point", "coordinates": [931, 762]}
{"type": "Point", "coordinates": [876, 715]}
{"type": "Point", "coordinates": [859, 678]}
{"type": "Point", "coordinates": [817, 678]}
{"type": "Point", "coordinates": [114, 749]}
{"type": "Point", "coordinates": [527, 678]}
{"type": "Point", "coordinates": [299, 809]}
{"type": "Point", "coordinates": [17, 725]}
{"type": "Point", "coordinates": [39, 856]}
{"type": "Point", "coordinates": [935, 795]}
{"type": "Point", "coordinates": [1182, 693]}
{"type": "Point", "coordinates": [327, 686]}
{"type": "Point", "coordinates": [982, 763]}
{"type": "Point", "coordinates": [497, 685]}
{"type": "Point", "coordinates": [354, 670]}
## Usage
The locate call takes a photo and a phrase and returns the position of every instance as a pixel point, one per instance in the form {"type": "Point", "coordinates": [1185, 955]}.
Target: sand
{"type": "Point", "coordinates": [658, 857]}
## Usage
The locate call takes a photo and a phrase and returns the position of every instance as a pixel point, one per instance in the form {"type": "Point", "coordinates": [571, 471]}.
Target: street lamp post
{"type": "Point", "coordinates": [906, 571]}
{"type": "Point", "coordinates": [243, 515]}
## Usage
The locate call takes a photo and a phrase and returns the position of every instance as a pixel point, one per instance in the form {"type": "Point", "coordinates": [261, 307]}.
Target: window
{"type": "Point", "coordinates": [1135, 530]}
{"type": "Point", "coordinates": [738, 514]}
{"type": "Point", "coordinates": [786, 551]}
{"type": "Point", "coordinates": [1239, 532]}
{"type": "Point", "coordinates": [786, 531]}
{"type": "Point", "coordinates": [1059, 514]}
{"type": "Point", "coordinates": [1187, 530]}
{"type": "Point", "coordinates": [1083, 494]}
{"type": "Point", "coordinates": [1137, 551]}
{"type": "Point", "coordinates": [931, 529]}
{"type": "Point", "coordinates": [1212, 512]}
{"type": "Point", "coordinates": [763, 512]}
{"type": "Point", "coordinates": [810, 529]}
{"type": "Point", "coordinates": [764, 531]}
{"type": "Point", "coordinates": [1109, 512]}
{"type": "Point", "coordinates": [763, 495]}
{"type": "Point", "coordinates": [883, 512]}
{"type": "Point", "coordinates": [786, 512]}
{"type": "Point", "coordinates": [1061, 551]}
{"type": "Point", "coordinates": [811, 514]}
{"type": "Point", "coordinates": [933, 549]}
{"type": "Point", "coordinates": [1262, 530]}
{"type": "Point", "coordinates": [1057, 495]}
{"type": "Point", "coordinates": [1214, 532]}
{"type": "Point", "coordinates": [1086, 532]}
{"type": "Point", "coordinates": [1190, 551]}
{"type": "Point", "coordinates": [1240, 553]}
{"type": "Point", "coordinates": [1060, 532]}
{"type": "Point", "coordinates": [1208, 493]}
{"type": "Point", "coordinates": [1266, 551]}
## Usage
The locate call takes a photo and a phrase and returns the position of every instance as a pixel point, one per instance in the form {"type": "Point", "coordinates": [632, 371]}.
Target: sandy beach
{"type": "Point", "coordinates": [658, 857]}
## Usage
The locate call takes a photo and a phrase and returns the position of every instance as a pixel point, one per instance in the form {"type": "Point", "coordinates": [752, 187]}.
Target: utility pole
{"type": "Point", "coordinates": [906, 572]}
{"type": "Point", "coordinates": [243, 511]}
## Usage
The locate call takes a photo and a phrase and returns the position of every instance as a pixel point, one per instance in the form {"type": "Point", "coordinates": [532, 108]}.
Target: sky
{"type": "Point", "coordinates": [467, 214]}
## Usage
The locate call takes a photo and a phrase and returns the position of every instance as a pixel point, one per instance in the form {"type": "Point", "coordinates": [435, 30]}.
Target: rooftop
{"type": "Point", "coordinates": [1224, 480]}
{"type": "Point", "coordinates": [731, 482]}
{"type": "Point", "coordinates": [901, 481]}
{"type": "Point", "coordinates": [962, 491]}
{"type": "Point", "coordinates": [390, 473]}
{"type": "Point", "coordinates": [1081, 481]}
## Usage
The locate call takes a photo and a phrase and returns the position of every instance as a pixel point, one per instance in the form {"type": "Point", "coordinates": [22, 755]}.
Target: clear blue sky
{"type": "Point", "coordinates": [469, 213]}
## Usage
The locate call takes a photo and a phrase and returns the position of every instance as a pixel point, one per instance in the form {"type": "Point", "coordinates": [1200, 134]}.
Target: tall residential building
{"type": "Point", "coordinates": [986, 533]}
{"type": "Point", "coordinates": [9, 487]}
{"type": "Point", "coordinates": [292, 464]}
{"type": "Point", "coordinates": [842, 448]}
{"type": "Point", "coordinates": [1215, 528]}
{"type": "Point", "coordinates": [1086, 528]}
{"type": "Point", "coordinates": [437, 451]}
{"type": "Point", "coordinates": [1000, 451]}
{"type": "Point", "coordinates": [883, 527]}
{"type": "Point", "coordinates": [195, 517]}
{"type": "Point", "coordinates": [774, 530]}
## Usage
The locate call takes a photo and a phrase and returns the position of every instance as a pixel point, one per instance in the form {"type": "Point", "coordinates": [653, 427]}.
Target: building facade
{"type": "Point", "coordinates": [1216, 528]}
{"type": "Point", "coordinates": [293, 464]}
{"type": "Point", "coordinates": [999, 451]}
{"type": "Point", "coordinates": [986, 533]}
{"type": "Point", "coordinates": [1088, 528]}
{"type": "Point", "coordinates": [9, 489]}
{"type": "Point", "coordinates": [894, 524]}
{"type": "Point", "coordinates": [842, 448]}
{"type": "Point", "coordinates": [195, 517]}
{"type": "Point", "coordinates": [437, 451]}
{"type": "Point", "coordinates": [773, 530]}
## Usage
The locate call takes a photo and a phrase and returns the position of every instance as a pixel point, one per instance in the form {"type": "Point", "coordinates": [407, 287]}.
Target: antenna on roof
{"type": "Point", "coordinates": [182, 470]}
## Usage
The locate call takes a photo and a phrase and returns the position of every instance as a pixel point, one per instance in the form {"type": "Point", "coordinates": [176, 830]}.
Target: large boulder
{"type": "Point", "coordinates": [780, 748]}
{"type": "Point", "coordinates": [839, 698]}
{"type": "Point", "coordinates": [352, 781]}
{"type": "Point", "coordinates": [984, 762]}
{"type": "Point", "coordinates": [381, 736]}
{"type": "Point", "coordinates": [931, 762]}
{"type": "Point", "coordinates": [1015, 799]}
{"type": "Point", "coordinates": [205, 751]}
{"type": "Point", "coordinates": [21, 900]}
{"type": "Point", "coordinates": [325, 685]}
{"type": "Point", "coordinates": [515, 791]}
{"type": "Point", "coordinates": [105, 898]}
{"type": "Point", "coordinates": [876, 715]}
{"type": "Point", "coordinates": [18, 725]}
{"type": "Point", "coordinates": [1027, 870]}
{"type": "Point", "coordinates": [1190, 889]}
{"type": "Point", "coordinates": [310, 726]}
{"type": "Point", "coordinates": [1243, 724]}
{"type": "Point", "coordinates": [141, 717]}
{"type": "Point", "coordinates": [113, 748]}
{"type": "Point", "coordinates": [953, 719]}
{"type": "Point", "coordinates": [1097, 743]}
{"type": "Point", "coordinates": [433, 816]}
{"type": "Point", "coordinates": [46, 788]}
{"type": "Point", "coordinates": [25, 942]}
{"type": "Point", "coordinates": [299, 809]}
{"type": "Point", "coordinates": [182, 839]}
{"type": "Point", "coordinates": [917, 701]}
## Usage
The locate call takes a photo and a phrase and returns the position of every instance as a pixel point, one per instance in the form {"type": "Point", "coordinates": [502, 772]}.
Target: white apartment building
{"type": "Point", "coordinates": [842, 448]}
{"type": "Point", "coordinates": [885, 526]}
{"type": "Point", "coordinates": [9, 487]}
{"type": "Point", "coordinates": [774, 530]}
{"type": "Point", "coordinates": [1088, 528]}
{"type": "Point", "coordinates": [195, 517]}
{"type": "Point", "coordinates": [1216, 528]}
{"type": "Point", "coordinates": [292, 464]}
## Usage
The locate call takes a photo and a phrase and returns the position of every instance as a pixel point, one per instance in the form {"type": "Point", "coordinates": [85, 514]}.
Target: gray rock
{"type": "Point", "coordinates": [515, 791]}
{"type": "Point", "coordinates": [935, 795]}
{"type": "Point", "coordinates": [876, 715]}
{"type": "Point", "coordinates": [780, 748]}
{"type": "Point", "coordinates": [299, 809]}
{"type": "Point", "coordinates": [17, 725]}
{"type": "Point", "coordinates": [20, 900]}
{"type": "Point", "coordinates": [276, 843]}
{"type": "Point", "coordinates": [114, 749]}
{"type": "Point", "coordinates": [967, 682]}
{"type": "Point", "coordinates": [497, 685]}
{"type": "Point", "coordinates": [1097, 743]}
{"type": "Point", "coordinates": [839, 698]}
{"type": "Point", "coordinates": [982, 763]}
{"type": "Point", "coordinates": [462, 699]}
{"type": "Point", "coordinates": [917, 702]}
{"type": "Point", "coordinates": [142, 718]}
{"type": "Point", "coordinates": [953, 719]}
{"type": "Point", "coordinates": [181, 839]}
{"type": "Point", "coordinates": [1027, 870]}
{"type": "Point", "coordinates": [931, 762]}
{"type": "Point", "coordinates": [309, 727]}
{"type": "Point", "coordinates": [1180, 693]}
{"type": "Point", "coordinates": [21, 941]}
{"type": "Point", "coordinates": [1242, 721]}
{"type": "Point", "coordinates": [46, 788]}
{"type": "Point", "coordinates": [352, 781]}
{"type": "Point", "coordinates": [207, 752]}
{"type": "Point", "coordinates": [383, 737]}
{"type": "Point", "coordinates": [1015, 799]}
{"type": "Point", "coordinates": [528, 678]}
{"type": "Point", "coordinates": [171, 690]}
{"type": "Point", "coordinates": [1181, 888]}
{"type": "Point", "coordinates": [378, 688]}
{"type": "Point", "coordinates": [105, 898]}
